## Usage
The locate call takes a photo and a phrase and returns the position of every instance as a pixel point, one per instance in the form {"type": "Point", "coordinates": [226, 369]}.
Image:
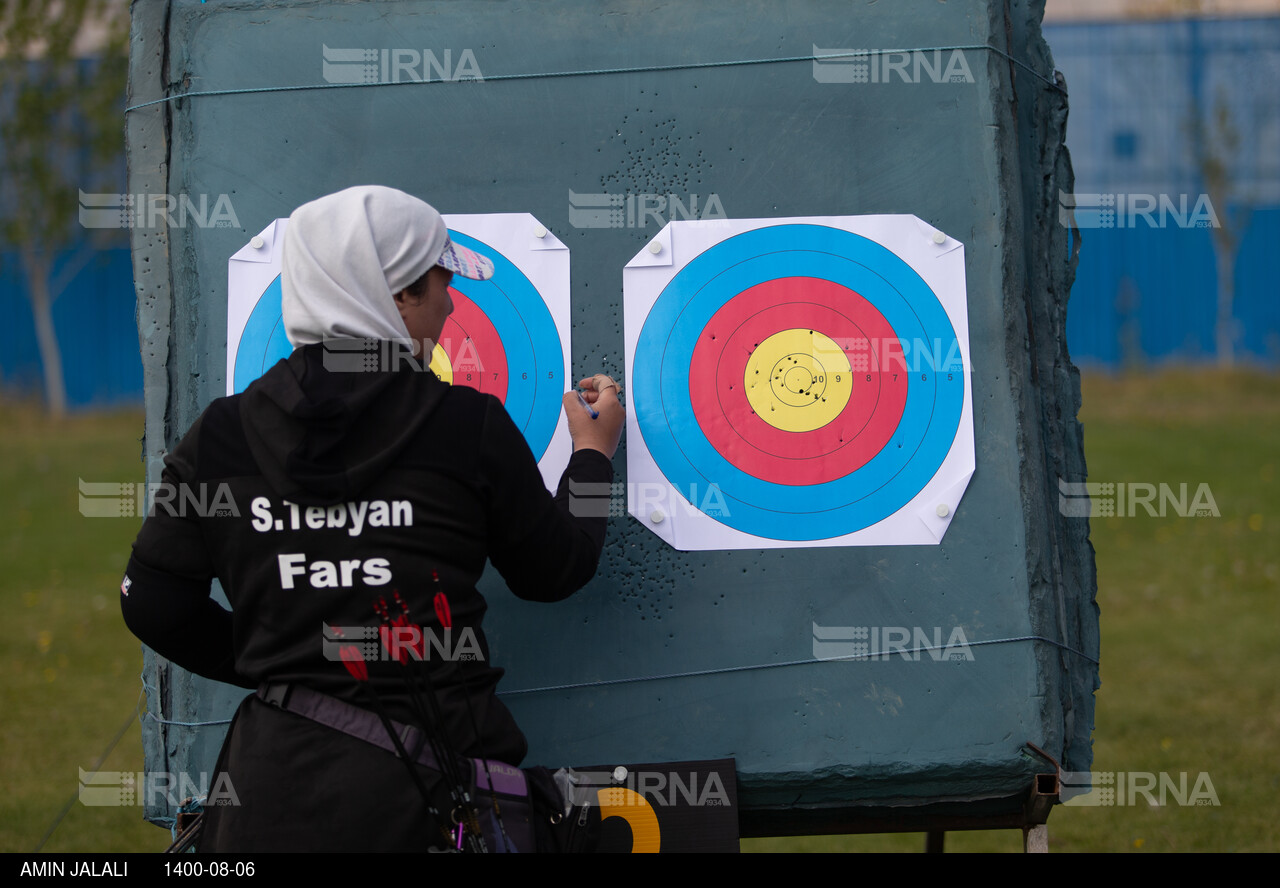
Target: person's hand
{"type": "Point", "coordinates": [602, 433]}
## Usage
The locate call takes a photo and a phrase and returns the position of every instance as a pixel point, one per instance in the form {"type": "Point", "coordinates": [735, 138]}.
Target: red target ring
{"type": "Point", "coordinates": [854, 433]}
{"type": "Point", "coordinates": [475, 351]}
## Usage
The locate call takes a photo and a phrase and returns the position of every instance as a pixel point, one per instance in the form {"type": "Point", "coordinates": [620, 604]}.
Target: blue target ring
{"type": "Point", "coordinates": [535, 358]}
{"type": "Point", "coordinates": [866, 496]}
{"type": "Point", "coordinates": [263, 341]}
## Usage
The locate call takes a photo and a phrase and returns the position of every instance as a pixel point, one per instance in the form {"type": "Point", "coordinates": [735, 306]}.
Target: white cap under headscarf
{"type": "Point", "coordinates": [346, 254]}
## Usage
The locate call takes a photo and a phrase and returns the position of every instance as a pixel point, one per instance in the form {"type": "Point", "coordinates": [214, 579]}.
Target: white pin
{"type": "Point", "coordinates": [257, 242]}
{"type": "Point", "coordinates": [939, 238]}
{"type": "Point", "coordinates": [540, 231]}
{"type": "Point", "coordinates": [942, 510]}
{"type": "Point", "coordinates": [654, 247]}
{"type": "Point", "coordinates": [656, 516]}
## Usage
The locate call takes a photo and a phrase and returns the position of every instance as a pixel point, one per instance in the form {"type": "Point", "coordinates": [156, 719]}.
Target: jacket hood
{"type": "Point", "coordinates": [321, 432]}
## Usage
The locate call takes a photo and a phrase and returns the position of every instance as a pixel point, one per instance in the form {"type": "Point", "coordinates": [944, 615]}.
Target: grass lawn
{"type": "Point", "coordinates": [1190, 663]}
{"type": "Point", "coordinates": [71, 668]}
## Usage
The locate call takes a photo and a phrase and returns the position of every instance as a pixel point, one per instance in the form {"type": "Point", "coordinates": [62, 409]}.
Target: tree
{"type": "Point", "coordinates": [1215, 147]}
{"type": "Point", "coordinates": [1215, 143]}
{"type": "Point", "coordinates": [61, 133]}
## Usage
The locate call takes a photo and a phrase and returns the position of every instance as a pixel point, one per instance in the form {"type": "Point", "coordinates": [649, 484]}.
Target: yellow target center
{"type": "Point", "coordinates": [798, 380]}
{"type": "Point", "coordinates": [440, 364]}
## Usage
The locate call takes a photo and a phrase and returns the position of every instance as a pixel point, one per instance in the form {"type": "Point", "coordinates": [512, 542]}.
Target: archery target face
{"type": "Point", "coordinates": [798, 382]}
{"type": "Point", "coordinates": [504, 337]}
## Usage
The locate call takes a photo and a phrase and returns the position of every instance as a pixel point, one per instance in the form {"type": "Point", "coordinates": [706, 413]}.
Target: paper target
{"type": "Point", "coordinates": [799, 382]}
{"type": "Point", "coordinates": [507, 336]}
{"type": "Point", "coordinates": [263, 341]}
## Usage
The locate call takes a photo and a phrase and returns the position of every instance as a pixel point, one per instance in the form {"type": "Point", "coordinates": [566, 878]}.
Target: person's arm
{"type": "Point", "coordinates": [176, 618]}
{"type": "Point", "coordinates": [164, 597]}
{"type": "Point", "coordinates": [547, 548]}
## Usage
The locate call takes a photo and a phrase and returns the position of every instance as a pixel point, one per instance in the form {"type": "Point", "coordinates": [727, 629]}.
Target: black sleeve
{"type": "Point", "coordinates": [546, 549]}
{"type": "Point", "coordinates": [165, 594]}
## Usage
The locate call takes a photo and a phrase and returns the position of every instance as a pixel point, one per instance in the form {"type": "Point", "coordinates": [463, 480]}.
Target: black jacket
{"type": "Point", "coordinates": [315, 493]}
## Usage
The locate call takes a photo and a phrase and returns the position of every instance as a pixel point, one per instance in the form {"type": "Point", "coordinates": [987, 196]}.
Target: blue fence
{"type": "Point", "coordinates": [1144, 96]}
{"type": "Point", "coordinates": [97, 333]}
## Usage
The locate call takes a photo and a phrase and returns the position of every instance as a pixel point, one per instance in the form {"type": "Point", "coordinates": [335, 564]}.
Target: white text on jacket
{"type": "Point", "coordinates": [352, 516]}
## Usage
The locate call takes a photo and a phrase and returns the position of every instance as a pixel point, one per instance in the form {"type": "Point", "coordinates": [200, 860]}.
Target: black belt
{"type": "Point", "coordinates": [347, 718]}
{"type": "Point", "coordinates": [367, 726]}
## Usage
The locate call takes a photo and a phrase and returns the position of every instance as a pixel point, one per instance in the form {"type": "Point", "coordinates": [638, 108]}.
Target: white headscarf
{"type": "Point", "coordinates": [346, 254]}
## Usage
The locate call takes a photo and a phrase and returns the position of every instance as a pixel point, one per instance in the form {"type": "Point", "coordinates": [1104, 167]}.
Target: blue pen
{"type": "Point", "coordinates": [595, 414]}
